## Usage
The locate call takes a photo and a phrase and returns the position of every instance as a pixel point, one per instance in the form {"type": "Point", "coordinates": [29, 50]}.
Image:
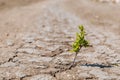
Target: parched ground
{"type": "Point", "coordinates": [36, 36]}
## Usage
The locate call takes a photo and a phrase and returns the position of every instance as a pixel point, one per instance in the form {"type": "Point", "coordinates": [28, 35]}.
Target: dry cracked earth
{"type": "Point", "coordinates": [36, 36]}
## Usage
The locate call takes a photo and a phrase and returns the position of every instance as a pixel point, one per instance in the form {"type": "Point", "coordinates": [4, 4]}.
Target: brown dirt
{"type": "Point", "coordinates": [36, 36]}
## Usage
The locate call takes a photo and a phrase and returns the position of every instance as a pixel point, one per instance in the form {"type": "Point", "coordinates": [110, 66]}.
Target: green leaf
{"type": "Point", "coordinates": [81, 27]}
{"type": "Point", "coordinates": [80, 40]}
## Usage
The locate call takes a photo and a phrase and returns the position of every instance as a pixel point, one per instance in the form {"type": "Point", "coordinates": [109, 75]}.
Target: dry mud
{"type": "Point", "coordinates": [36, 36]}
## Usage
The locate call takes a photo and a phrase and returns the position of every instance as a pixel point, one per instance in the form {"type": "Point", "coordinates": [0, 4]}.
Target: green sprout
{"type": "Point", "coordinates": [79, 42]}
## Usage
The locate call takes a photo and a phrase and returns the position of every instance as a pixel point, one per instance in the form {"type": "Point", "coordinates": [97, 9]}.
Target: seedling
{"type": "Point", "coordinates": [79, 43]}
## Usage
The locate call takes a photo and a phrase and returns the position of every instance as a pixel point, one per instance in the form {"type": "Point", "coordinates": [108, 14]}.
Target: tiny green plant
{"type": "Point", "coordinates": [79, 43]}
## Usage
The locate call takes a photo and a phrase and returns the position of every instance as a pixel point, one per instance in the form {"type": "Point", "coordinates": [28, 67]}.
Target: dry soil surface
{"type": "Point", "coordinates": [36, 36]}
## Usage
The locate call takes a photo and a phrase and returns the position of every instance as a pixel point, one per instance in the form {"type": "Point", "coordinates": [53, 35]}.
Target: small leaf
{"type": "Point", "coordinates": [81, 27]}
{"type": "Point", "coordinates": [80, 40]}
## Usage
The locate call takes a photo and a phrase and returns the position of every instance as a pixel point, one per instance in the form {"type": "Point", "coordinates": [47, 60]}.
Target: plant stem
{"type": "Point", "coordinates": [75, 58]}
{"type": "Point", "coordinates": [73, 63]}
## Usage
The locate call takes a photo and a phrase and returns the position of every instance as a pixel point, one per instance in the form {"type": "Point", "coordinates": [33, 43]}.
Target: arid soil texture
{"type": "Point", "coordinates": [36, 38]}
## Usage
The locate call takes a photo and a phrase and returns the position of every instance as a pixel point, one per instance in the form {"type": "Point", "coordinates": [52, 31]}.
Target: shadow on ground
{"type": "Point", "coordinates": [97, 65]}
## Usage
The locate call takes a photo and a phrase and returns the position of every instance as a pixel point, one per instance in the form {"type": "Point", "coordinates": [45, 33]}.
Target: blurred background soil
{"type": "Point", "coordinates": [36, 36]}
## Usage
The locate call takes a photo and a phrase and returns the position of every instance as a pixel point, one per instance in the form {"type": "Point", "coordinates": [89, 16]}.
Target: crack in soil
{"type": "Point", "coordinates": [11, 59]}
{"type": "Point", "coordinates": [53, 53]}
{"type": "Point", "coordinates": [25, 77]}
{"type": "Point", "coordinates": [62, 68]}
